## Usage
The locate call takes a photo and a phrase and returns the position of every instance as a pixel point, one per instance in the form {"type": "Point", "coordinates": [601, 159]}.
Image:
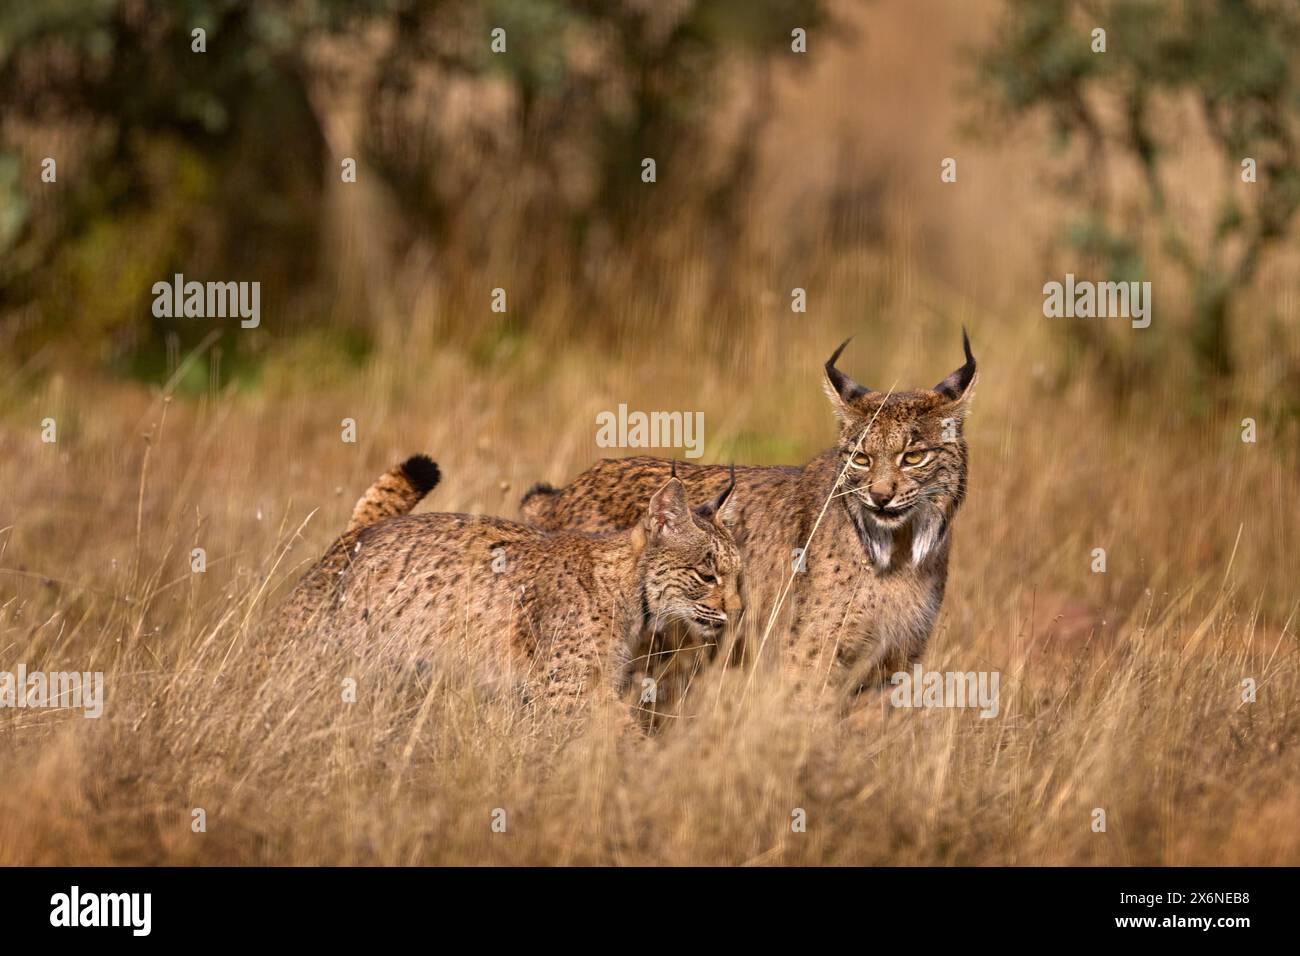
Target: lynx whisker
{"type": "Point", "coordinates": [776, 610]}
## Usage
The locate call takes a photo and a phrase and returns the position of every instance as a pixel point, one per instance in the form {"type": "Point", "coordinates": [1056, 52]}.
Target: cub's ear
{"type": "Point", "coordinates": [840, 389]}
{"type": "Point", "coordinates": [668, 512]}
{"type": "Point", "coordinates": [958, 386]}
{"type": "Point", "coordinates": [717, 510]}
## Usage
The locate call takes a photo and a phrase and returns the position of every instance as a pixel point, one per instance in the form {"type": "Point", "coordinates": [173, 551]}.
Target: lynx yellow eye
{"type": "Point", "coordinates": [862, 460]}
{"type": "Point", "coordinates": [915, 457]}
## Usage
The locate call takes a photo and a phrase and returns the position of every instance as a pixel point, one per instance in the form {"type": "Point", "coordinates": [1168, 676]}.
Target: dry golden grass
{"type": "Point", "coordinates": [1119, 690]}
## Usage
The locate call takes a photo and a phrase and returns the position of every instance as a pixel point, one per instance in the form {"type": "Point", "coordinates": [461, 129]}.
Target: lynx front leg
{"type": "Point", "coordinates": [872, 673]}
{"type": "Point", "coordinates": [575, 673]}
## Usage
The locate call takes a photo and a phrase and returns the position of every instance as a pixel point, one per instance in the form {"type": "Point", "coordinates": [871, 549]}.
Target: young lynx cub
{"type": "Point", "coordinates": [555, 614]}
{"type": "Point", "coordinates": [861, 594]}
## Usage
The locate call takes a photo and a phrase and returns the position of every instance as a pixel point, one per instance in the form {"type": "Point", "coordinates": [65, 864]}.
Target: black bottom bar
{"type": "Point", "coordinates": [335, 906]}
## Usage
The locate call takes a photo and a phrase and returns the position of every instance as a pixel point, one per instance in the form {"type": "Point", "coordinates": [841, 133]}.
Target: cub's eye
{"type": "Point", "coordinates": [915, 457]}
{"type": "Point", "coordinates": [862, 459]}
{"type": "Point", "coordinates": [706, 577]}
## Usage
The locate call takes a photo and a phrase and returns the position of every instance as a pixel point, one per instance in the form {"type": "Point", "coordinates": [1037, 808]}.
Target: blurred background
{"type": "Point", "coordinates": [521, 170]}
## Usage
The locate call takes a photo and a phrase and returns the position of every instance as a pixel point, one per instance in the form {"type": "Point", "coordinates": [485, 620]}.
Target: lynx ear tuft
{"type": "Point", "coordinates": [840, 384]}
{"type": "Point", "coordinates": [959, 382]}
{"type": "Point", "coordinates": [714, 509]}
{"type": "Point", "coordinates": [841, 389]}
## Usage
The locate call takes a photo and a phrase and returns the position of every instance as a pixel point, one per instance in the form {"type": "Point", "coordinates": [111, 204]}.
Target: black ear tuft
{"type": "Point", "coordinates": [844, 386]}
{"type": "Point", "coordinates": [422, 472]}
{"type": "Point", "coordinates": [955, 385]}
{"type": "Point", "coordinates": [718, 503]}
{"type": "Point", "coordinates": [541, 488]}
{"type": "Point", "coordinates": [835, 356]}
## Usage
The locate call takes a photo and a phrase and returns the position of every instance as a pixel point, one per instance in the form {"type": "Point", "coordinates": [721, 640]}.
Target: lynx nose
{"type": "Point", "coordinates": [880, 498]}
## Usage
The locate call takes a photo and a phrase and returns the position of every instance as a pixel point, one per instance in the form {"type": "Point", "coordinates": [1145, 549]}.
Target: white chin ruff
{"type": "Point", "coordinates": [927, 533]}
{"type": "Point", "coordinates": [928, 528]}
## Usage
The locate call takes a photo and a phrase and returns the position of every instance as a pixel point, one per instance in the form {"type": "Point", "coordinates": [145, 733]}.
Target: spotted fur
{"type": "Point", "coordinates": [873, 577]}
{"type": "Point", "coordinates": [554, 615]}
{"type": "Point", "coordinates": [396, 492]}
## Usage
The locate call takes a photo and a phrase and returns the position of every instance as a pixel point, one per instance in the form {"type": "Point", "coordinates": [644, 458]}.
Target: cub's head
{"type": "Point", "coordinates": [904, 456]}
{"type": "Point", "coordinates": [690, 564]}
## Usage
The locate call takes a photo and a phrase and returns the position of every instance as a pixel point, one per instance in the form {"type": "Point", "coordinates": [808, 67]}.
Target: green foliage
{"type": "Point", "coordinates": [765, 447]}
{"type": "Point", "coordinates": [217, 164]}
{"type": "Point", "coordinates": [1233, 64]}
{"type": "Point", "coordinates": [13, 205]}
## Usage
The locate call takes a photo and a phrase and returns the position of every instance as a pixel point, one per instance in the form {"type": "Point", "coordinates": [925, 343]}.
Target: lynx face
{"type": "Point", "coordinates": [904, 456]}
{"type": "Point", "coordinates": [903, 463]}
{"type": "Point", "coordinates": [691, 564]}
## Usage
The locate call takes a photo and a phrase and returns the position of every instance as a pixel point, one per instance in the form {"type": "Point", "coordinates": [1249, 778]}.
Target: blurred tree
{"type": "Point", "coordinates": [170, 160]}
{"type": "Point", "coordinates": [217, 163]}
{"type": "Point", "coordinates": [1231, 65]}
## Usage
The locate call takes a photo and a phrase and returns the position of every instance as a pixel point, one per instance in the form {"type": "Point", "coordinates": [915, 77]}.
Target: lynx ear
{"type": "Point", "coordinates": [716, 510]}
{"type": "Point", "coordinates": [668, 512]}
{"type": "Point", "coordinates": [959, 406]}
{"type": "Point", "coordinates": [956, 386]}
{"type": "Point", "coordinates": [841, 389]}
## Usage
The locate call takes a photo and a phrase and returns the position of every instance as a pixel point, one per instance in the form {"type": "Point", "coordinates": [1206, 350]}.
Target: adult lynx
{"type": "Point", "coordinates": [557, 615]}
{"type": "Point", "coordinates": [846, 558]}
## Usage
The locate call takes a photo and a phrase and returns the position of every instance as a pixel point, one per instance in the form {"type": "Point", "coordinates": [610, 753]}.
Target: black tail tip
{"type": "Point", "coordinates": [541, 488]}
{"type": "Point", "coordinates": [422, 472]}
